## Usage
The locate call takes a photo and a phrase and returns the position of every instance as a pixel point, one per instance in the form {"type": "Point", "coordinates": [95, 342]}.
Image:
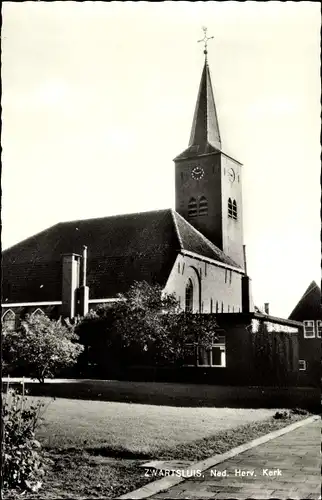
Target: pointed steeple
{"type": "Point", "coordinates": [205, 135]}
{"type": "Point", "coordinates": [205, 127]}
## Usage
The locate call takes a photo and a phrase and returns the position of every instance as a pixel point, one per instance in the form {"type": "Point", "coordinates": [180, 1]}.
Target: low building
{"type": "Point", "coordinates": [308, 311]}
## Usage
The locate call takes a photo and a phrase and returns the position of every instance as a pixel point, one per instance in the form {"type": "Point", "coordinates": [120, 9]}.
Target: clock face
{"type": "Point", "coordinates": [197, 173]}
{"type": "Point", "coordinates": [231, 175]}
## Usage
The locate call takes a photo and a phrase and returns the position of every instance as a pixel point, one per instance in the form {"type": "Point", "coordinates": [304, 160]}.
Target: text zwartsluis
{"type": "Point", "coordinates": [175, 473]}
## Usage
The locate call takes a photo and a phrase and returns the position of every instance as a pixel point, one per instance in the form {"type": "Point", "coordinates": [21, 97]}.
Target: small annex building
{"type": "Point", "coordinates": [308, 311]}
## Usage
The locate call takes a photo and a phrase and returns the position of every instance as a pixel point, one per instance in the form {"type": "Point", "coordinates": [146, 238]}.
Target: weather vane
{"type": "Point", "coordinates": [205, 40]}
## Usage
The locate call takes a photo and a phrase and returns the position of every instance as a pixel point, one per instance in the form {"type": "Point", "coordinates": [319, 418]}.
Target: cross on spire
{"type": "Point", "coordinates": [205, 40]}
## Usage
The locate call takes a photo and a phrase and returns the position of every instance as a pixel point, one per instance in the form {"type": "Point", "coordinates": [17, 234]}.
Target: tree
{"type": "Point", "coordinates": [143, 327]}
{"type": "Point", "coordinates": [40, 347]}
{"type": "Point", "coordinates": [190, 330]}
{"type": "Point", "coordinates": [142, 318]}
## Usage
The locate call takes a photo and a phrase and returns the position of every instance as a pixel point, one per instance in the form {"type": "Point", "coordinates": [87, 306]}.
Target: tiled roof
{"type": "Point", "coordinates": [121, 249]}
{"type": "Point", "coordinates": [309, 306]}
{"type": "Point", "coordinates": [196, 242]}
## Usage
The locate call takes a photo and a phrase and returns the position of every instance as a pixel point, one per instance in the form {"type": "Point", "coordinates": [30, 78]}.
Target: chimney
{"type": "Point", "coordinates": [247, 296]}
{"type": "Point", "coordinates": [70, 283]}
{"type": "Point", "coordinates": [246, 288]}
{"type": "Point", "coordinates": [83, 292]}
{"type": "Point", "coordinates": [266, 308]}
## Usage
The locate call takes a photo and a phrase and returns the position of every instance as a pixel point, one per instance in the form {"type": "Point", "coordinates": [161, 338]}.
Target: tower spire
{"type": "Point", "coordinates": [205, 128]}
{"type": "Point", "coordinates": [205, 134]}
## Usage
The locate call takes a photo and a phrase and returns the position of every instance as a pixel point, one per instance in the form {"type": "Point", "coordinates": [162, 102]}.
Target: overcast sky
{"type": "Point", "coordinates": [98, 99]}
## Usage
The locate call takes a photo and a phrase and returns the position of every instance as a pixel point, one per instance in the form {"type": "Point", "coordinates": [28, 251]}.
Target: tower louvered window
{"type": "Point", "coordinates": [192, 208]}
{"type": "Point", "coordinates": [232, 209]}
{"type": "Point", "coordinates": [203, 206]}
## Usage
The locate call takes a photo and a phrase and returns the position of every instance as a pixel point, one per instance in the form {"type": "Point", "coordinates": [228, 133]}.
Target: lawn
{"type": "Point", "coordinates": [95, 448]}
{"type": "Point", "coordinates": [138, 429]}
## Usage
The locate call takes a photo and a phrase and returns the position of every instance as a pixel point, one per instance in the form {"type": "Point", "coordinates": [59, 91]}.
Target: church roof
{"type": "Point", "coordinates": [205, 135]}
{"type": "Point", "coordinates": [121, 249]}
{"type": "Point", "coordinates": [309, 306]}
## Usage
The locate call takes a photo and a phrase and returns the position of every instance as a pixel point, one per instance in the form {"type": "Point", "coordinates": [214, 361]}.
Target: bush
{"type": "Point", "coordinates": [299, 411]}
{"type": "Point", "coordinates": [40, 348]}
{"type": "Point", "coordinates": [144, 328]}
{"type": "Point", "coordinates": [22, 463]}
{"type": "Point", "coordinates": [282, 415]}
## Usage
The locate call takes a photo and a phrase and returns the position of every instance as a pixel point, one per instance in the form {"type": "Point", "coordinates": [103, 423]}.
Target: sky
{"type": "Point", "coordinates": [98, 98]}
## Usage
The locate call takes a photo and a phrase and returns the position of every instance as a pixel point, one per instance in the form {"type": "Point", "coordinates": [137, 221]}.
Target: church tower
{"type": "Point", "coordinates": [208, 183]}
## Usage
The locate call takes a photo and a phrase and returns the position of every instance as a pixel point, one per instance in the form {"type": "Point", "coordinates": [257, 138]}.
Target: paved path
{"type": "Point", "coordinates": [286, 467]}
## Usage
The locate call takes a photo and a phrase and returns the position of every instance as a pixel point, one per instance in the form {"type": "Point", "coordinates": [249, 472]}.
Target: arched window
{"type": "Point", "coordinates": [189, 296]}
{"type": "Point", "coordinates": [192, 208]}
{"type": "Point", "coordinates": [230, 208]}
{"type": "Point", "coordinates": [203, 206]}
{"type": "Point", "coordinates": [9, 320]}
{"type": "Point", "coordinates": [234, 210]}
{"type": "Point", "coordinates": [38, 312]}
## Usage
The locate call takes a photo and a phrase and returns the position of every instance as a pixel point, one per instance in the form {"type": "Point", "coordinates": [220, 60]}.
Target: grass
{"type": "Point", "coordinates": [133, 428]}
{"type": "Point", "coordinates": [225, 440]}
{"type": "Point", "coordinates": [78, 475]}
{"type": "Point", "coordinates": [95, 448]}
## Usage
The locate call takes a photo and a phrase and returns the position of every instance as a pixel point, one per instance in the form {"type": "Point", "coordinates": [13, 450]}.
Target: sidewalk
{"type": "Point", "coordinates": [288, 466]}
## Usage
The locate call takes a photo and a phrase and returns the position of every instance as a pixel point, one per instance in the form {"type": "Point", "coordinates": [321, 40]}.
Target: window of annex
{"type": "Point", "coordinates": [302, 365]}
{"type": "Point", "coordinates": [215, 357]}
{"type": "Point", "coordinates": [309, 330]}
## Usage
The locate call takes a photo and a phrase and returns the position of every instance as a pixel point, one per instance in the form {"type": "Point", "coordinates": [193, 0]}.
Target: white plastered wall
{"type": "Point", "coordinates": [216, 289]}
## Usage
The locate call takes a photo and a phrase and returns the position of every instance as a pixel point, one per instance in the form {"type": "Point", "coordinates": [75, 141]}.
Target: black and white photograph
{"type": "Point", "coordinates": [161, 255]}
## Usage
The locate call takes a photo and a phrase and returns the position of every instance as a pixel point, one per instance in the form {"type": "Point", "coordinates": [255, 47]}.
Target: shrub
{"type": "Point", "coordinates": [40, 347]}
{"type": "Point", "coordinates": [22, 462]}
{"type": "Point", "coordinates": [299, 411]}
{"type": "Point", "coordinates": [143, 328]}
{"type": "Point", "coordinates": [282, 415]}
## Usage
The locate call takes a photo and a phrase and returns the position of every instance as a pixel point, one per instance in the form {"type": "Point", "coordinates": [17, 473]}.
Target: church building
{"type": "Point", "coordinates": [195, 251]}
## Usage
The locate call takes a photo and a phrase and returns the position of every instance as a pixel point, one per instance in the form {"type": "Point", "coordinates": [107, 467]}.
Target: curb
{"type": "Point", "coordinates": [167, 482]}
